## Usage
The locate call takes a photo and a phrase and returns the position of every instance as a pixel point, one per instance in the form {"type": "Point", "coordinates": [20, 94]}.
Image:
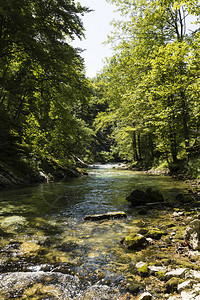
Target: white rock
{"type": "Point", "coordinates": [196, 287]}
{"type": "Point", "coordinates": [144, 296]}
{"type": "Point", "coordinates": [150, 240]}
{"type": "Point", "coordinates": [177, 214]}
{"type": "Point", "coordinates": [184, 285]}
{"type": "Point", "coordinates": [140, 264]}
{"type": "Point", "coordinates": [175, 297]}
{"type": "Point", "coordinates": [154, 269]}
{"type": "Point", "coordinates": [192, 234]}
{"type": "Point", "coordinates": [188, 295]}
{"type": "Point", "coordinates": [193, 274]}
{"type": "Point", "coordinates": [176, 273]}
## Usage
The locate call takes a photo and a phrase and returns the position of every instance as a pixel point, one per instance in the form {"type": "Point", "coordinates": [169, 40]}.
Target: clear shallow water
{"type": "Point", "coordinates": [43, 233]}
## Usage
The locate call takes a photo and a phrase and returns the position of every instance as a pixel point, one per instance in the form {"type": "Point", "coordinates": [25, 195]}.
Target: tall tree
{"type": "Point", "coordinates": [41, 74]}
{"type": "Point", "coordinates": [152, 79]}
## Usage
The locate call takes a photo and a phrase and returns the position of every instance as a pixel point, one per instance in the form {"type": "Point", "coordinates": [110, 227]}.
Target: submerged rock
{"type": "Point", "coordinates": [29, 248]}
{"type": "Point", "coordinates": [139, 197]}
{"type": "Point", "coordinates": [106, 216]}
{"type": "Point", "coordinates": [50, 285]}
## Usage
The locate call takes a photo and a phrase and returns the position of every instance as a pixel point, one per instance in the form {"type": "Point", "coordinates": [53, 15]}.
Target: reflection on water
{"type": "Point", "coordinates": [42, 230]}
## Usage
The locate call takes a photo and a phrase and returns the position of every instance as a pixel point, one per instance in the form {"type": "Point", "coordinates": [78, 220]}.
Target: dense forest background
{"type": "Point", "coordinates": [143, 108]}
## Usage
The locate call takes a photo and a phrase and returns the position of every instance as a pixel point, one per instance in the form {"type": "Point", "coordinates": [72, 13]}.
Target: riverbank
{"type": "Point", "coordinates": [164, 265]}
{"type": "Point", "coordinates": [17, 171]}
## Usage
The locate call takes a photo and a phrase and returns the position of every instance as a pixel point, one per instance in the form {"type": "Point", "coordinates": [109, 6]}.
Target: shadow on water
{"type": "Point", "coordinates": [43, 234]}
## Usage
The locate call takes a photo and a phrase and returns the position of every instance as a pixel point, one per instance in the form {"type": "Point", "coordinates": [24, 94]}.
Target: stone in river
{"type": "Point", "coordinates": [135, 241]}
{"type": "Point", "coordinates": [139, 197]}
{"type": "Point", "coordinates": [106, 216]}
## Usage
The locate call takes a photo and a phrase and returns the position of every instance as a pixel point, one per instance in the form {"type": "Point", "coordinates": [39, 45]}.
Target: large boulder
{"type": "Point", "coordinates": [139, 197]}
{"type": "Point", "coordinates": [192, 234]}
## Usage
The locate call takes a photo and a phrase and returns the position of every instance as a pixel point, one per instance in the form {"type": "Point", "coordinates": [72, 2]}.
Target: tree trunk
{"type": "Point", "coordinates": [185, 121]}
{"type": "Point", "coordinates": [139, 147]}
{"type": "Point", "coordinates": [134, 143]}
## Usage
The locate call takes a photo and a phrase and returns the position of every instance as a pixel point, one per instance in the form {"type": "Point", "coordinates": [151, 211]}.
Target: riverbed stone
{"type": "Point", "coordinates": [174, 297]}
{"type": "Point", "coordinates": [156, 269]}
{"type": "Point", "coordinates": [135, 241]}
{"type": "Point", "coordinates": [39, 289]}
{"type": "Point", "coordinates": [142, 268]}
{"type": "Point", "coordinates": [155, 233]}
{"type": "Point", "coordinates": [171, 284]}
{"type": "Point", "coordinates": [196, 287]}
{"type": "Point", "coordinates": [12, 221]}
{"type": "Point", "coordinates": [184, 285]}
{"type": "Point", "coordinates": [180, 273]}
{"type": "Point", "coordinates": [29, 248]}
{"type": "Point", "coordinates": [144, 296]}
{"type": "Point", "coordinates": [193, 274]}
{"type": "Point", "coordinates": [51, 285]}
{"type": "Point", "coordinates": [189, 295]}
{"type": "Point", "coordinates": [106, 216]}
{"type": "Point", "coordinates": [139, 197]}
{"type": "Point", "coordinates": [192, 234]}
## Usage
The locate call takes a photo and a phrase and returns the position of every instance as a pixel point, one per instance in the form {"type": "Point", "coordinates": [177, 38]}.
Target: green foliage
{"type": "Point", "coordinates": [151, 84]}
{"type": "Point", "coordinates": [42, 81]}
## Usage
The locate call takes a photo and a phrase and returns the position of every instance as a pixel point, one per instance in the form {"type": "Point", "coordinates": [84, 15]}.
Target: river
{"type": "Point", "coordinates": [48, 251]}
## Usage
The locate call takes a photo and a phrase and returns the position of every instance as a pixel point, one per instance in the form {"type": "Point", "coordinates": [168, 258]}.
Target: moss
{"type": "Point", "coordinates": [38, 289]}
{"type": "Point", "coordinates": [143, 271]}
{"type": "Point", "coordinates": [160, 275]}
{"type": "Point", "coordinates": [184, 263]}
{"type": "Point", "coordinates": [135, 241]}
{"type": "Point", "coordinates": [166, 261]}
{"type": "Point", "coordinates": [171, 284]}
{"type": "Point", "coordinates": [143, 231]}
{"type": "Point", "coordinates": [133, 288]}
{"type": "Point", "coordinates": [155, 233]}
{"type": "Point", "coordinates": [29, 248]}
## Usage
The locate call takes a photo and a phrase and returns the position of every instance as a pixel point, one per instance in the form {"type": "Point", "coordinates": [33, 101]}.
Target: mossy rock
{"type": "Point", "coordinates": [143, 231]}
{"type": "Point", "coordinates": [160, 275]}
{"type": "Point", "coordinates": [142, 269]}
{"type": "Point", "coordinates": [135, 241]}
{"type": "Point", "coordinates": [133, 287]}
{"type": "Point", "coordinates": [29, 248]}
{"type": "Point", "coordinates": [39, 290]}
{"type": "Point", "coordinates": [171, 284]}
{"type": "Point", "coordinates": [155, 233]}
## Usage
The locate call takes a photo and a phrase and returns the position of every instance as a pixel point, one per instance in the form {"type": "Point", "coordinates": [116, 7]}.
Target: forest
{"type": "Point", "coordinates": [143, 108]}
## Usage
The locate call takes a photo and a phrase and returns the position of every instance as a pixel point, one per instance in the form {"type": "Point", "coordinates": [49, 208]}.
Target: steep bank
{"type": "Point", "coordinates": [17, 171]}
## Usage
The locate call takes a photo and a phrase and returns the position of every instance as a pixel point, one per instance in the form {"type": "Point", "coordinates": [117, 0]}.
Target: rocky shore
{"type": "Point", "coordinates": [164, 248]}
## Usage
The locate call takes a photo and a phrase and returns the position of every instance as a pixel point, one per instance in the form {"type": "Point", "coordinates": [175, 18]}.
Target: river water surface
{"type": "Point", "coordinates": [47, 249]}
